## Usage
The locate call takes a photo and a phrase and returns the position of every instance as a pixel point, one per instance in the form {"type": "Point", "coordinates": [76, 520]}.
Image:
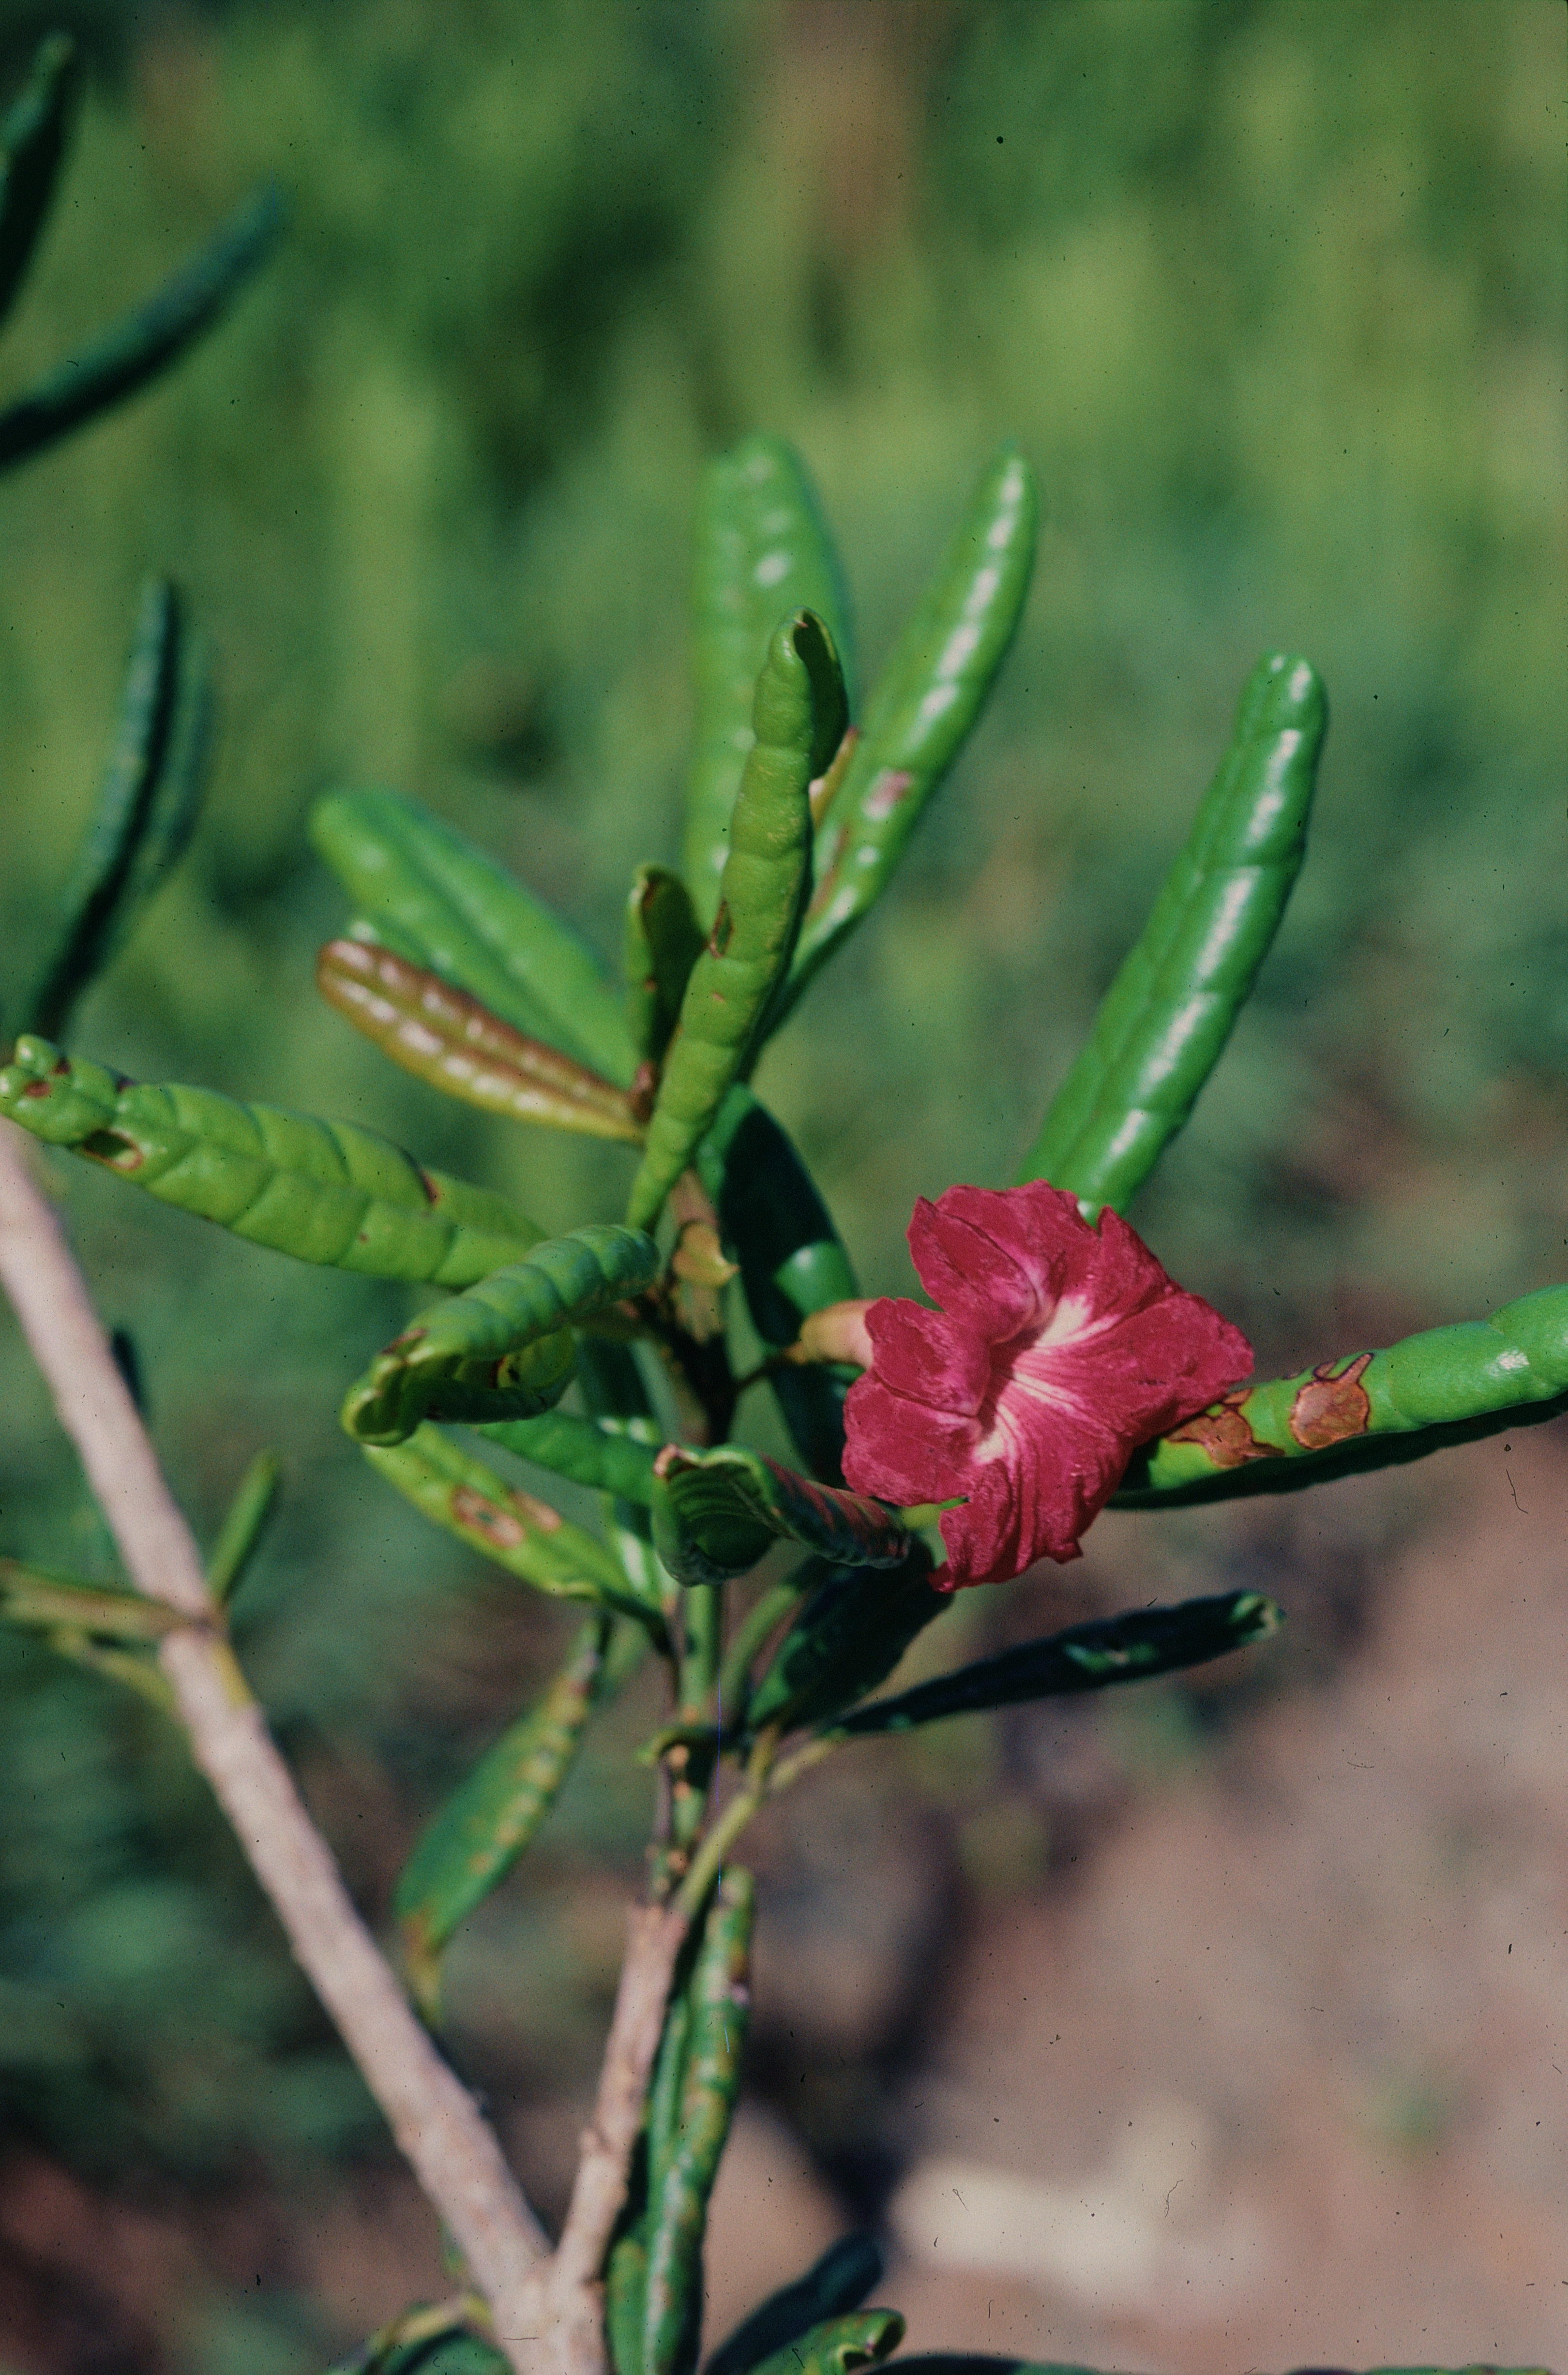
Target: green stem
{"type": "Point", "coordinates": [735, 1679]}
{"type": "Point", "coordinates": [692, 1769]}
{"type": "Point", "coordinates": [709, 1859]}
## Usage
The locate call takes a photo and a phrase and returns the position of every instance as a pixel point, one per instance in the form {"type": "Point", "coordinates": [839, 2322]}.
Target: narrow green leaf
{"type": "Point", "coordinates": [146, 810]}
{"type": "Point", "coordinates": [836, 2284]}
{"type": "Point", "coordinates": [471, 1845]}
{"type": "Point", "coordinates": [444, 1036]}
{"type": "Point", "coordinates": [664, 940]}
{"type": "Point", "coordinates": [626, 2286]}
{"type": "Point", "coordinates": [33, 143]}
{"type": "Point", "coordinates": [1130, 1648]}
{"type": "Point", "coordinates": [847, 1639]}
{"type": "Point", "coordinates": [326, 1192]}
{"type": "Point", "coordinates": [134, 1669]}
{"type": "Point", "coordinates": [240, 1536]}
{"type": "Point", "coordinates": [926, 704]}
{"type": "Point", "coordinates": [145, 342]}
{"type": "Point", "coordinates": [1366, 1409]}
{"type": "Point", "coordinates": [592, 1451]}
{"type": "Point", "coordinates": [716, 1513]}
{"type": "Point", "coordinates": [513, 1529]}
{"type": "Point", "coordinates": [29, 1596]}
{"type": "Point", "coordinates": [840, 2345]}
{"type": "Point", "coordinates": [718, 2011]}
{"type": "Point", "coordinates": [1163, 1022]}
{"type": "Point", "coordinates": [442, 903]}
{"type": "Point", "coordinates": [765, 878]}
{"type": "Point", "coordinates": [792, 1263]}
{"type": "Point", "coordinates": [763, 552]}
{"type": "Point", "coordinates": [504, 1349]}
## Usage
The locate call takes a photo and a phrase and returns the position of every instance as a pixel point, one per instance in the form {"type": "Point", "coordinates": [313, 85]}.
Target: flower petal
{"type": "Point", "coordinates": [907, 1451]}
{"type": "Point", "coordinates": [927, 1355]}
{"type": "Point", "coordinates": [1059, 1349]}
{"type": "Point", "coordinates": [972, 1259]}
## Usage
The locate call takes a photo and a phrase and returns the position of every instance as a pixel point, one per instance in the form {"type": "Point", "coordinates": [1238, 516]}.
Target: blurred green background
{"type": "Point", "coordinates": [1271, 293]}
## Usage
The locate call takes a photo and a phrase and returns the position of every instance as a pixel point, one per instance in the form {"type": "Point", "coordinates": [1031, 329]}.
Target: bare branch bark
{"type": "Point", "coordinates": [435, 2120]}
{"type": "Point", "coordinates": [656, 1935]}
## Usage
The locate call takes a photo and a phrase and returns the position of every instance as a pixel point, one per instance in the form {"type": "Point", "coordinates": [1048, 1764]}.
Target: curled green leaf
{"type": "Point", "coordinates": [326, 1192]}
{"type": "Point", "coordinates": [664, 940]}
{"type": "Point", "coordinates": [442, 1035]}
{"type": "Point", "coordinates": [841, 2345]}
{"type": "Point", "coordinates": [1366, 1409]}
{"type": "Point", "coordinates": [470, 1499]}
{"type": "Point", "coordinates": [444, 903]}
{"type": "Point", "coordinates": [760, 892]}
{"type": "Point", "coordinates": [504, 1349]}
{"type": "Point", "coordinates": [837, 2282]}
{"type": "Point", "coordinates": [923, 711]}
{"type": "Point", "coordinates": [1163, 1022]}
{"type": "Point", "coordinates": [716, 1513]}
{"type": "Point", "coordinates": [146, 810]}
{"type": "Point", "coordinates": [471, 1845]}
{"type": "Point", "coordinates": [33, 134]}
{"type": "Point", "coordinates": [848, 1638]}
{"type": "Point", "coordinates": [718, 2008]}
{"type": "Point", "coordinates": [763, 552]}
{"type": "Point", "coordinates": [145, 342]}
{"type": "Point", "coordinates": [1130, 1648]}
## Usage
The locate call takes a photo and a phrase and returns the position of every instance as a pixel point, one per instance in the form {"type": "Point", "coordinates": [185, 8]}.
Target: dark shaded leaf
{"type": "Point", "coordinates": [33, 137]}
{"type": "Point", "coordinates": [840, 2345]}
{"type": "Point", "coordinates": [838, 2282]}
{"type": "Point", "coordinates": [1130, 1648]}
{"type": "Point", "coordinates": [792, 1263]}
{"type": "Point", "coordinates": [136, 350]}
{"type": "Point", "coordinates": [146, 810]}
{"type": "Point", "coordinates": [847, 1639]}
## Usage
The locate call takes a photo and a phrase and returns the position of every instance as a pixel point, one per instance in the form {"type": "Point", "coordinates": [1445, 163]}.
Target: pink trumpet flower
{"type": "Point", "coordinates": [1059, 1348]}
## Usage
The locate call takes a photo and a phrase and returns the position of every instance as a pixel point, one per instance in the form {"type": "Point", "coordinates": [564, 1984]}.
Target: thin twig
{"type": "Point", "coordinates": [709, 1858]}
{"type": "Point", "coordinates": [432, 2116]}
{"type": "Point", "coordinates": [656, 1935]}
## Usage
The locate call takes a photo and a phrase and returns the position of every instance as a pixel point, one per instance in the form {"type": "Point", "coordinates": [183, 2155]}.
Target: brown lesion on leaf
{"type": "Point", "coordinates": [431, 1186]}
{"type": "Point", "coordinates": [1332, 1406]}
{"type": "Point", "coordinates": [723, 923]}
{"type": "Point", "coordinates": [505, 1526]}
{"type": "Point", "coordinates": [890, 787]}
{"type": "Point", "coordinates": [1224, 1432]}
{"type": "Point", "coordinates": [538, 1514]}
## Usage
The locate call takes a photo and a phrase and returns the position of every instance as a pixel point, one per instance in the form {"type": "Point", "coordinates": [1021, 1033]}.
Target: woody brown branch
{"type": "Point", "coordinates": [435, 2120]}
